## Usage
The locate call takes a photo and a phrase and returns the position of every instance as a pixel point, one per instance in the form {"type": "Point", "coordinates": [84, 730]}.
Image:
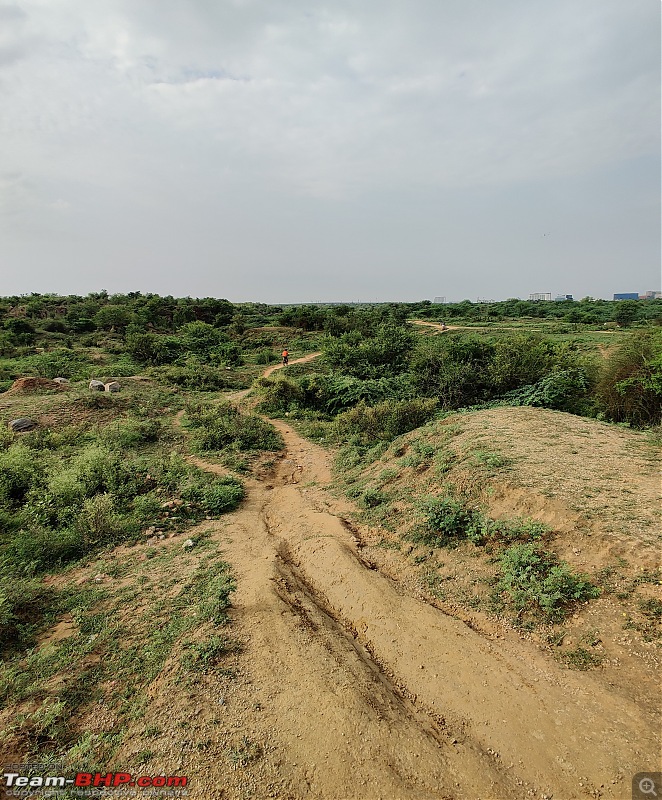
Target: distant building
{"type": "Point", "coordinates": [439, 300]}
{"type": "Point", "coordinates": [626, 296]}
{"type": "Point", "coordinates": [540, 296]}
{"type": "Point", "coordinates": [650, 296]}
{"type": "Point", "coordinates": [561, 297]}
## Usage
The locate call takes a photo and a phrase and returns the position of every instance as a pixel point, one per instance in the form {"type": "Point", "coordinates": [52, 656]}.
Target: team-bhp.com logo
{"type": "Point", "coordinates": [23, 782]}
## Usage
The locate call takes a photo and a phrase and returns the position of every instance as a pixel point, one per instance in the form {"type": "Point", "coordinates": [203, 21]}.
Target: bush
{"type": "Point", "coordinates": [454, 368]}
{"type": "Point", "coordinates": [564, 390]}
{"type": "Point", "coordinates": [39, 548]}
{"type": "Point", "coordinates": [278, 393]}
{"type": "Point", "coordinates": [536, 581]}
{"type": "Point", "coordinates": [215, 599]}
{"type": "Point", "coordinates": [197, 377]}
{"type": "Point", "coordinates": [384, 355]}
{"type": "Point", "coordinates": [222, 496]}
{"type": "Point", "coordinates": [221, 426]}
{"type": "Point", "coordinates": [335, 393]}
{"type": "Point", "coordinates": [447, 519]}
{"type": "Point", "coordinates": [20, 471]}
{"type": "Point", "coordinates": [97, 521]}
{"type": "Point", "coordinates": [372, 498]}
{"type": "Point", "coordinates": [630, 385]}
{"type": "Point", "coordinates": [23, 603]}
{"type": "Point", "coordinates": [384, 421]}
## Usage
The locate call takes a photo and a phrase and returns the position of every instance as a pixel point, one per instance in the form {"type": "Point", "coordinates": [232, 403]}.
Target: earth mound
{"type": "Point", "coordinates": [29, 385]}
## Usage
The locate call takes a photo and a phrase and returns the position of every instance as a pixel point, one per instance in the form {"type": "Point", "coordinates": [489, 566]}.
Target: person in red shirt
{"type": "Point", "coordinates": [285, 357]}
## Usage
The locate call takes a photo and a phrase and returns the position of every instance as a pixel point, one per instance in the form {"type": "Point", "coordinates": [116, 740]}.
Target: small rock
{"type": "Point", "coordinates": [96, 386]}
{"type": "Point", "coordinates": [61, 381]}
{"type": "Point", "coordinates": [22, 424]}
{"type": "Point", "coordinates": [113, 386]}
{"type": "Point", "coordinates": [188, 544]}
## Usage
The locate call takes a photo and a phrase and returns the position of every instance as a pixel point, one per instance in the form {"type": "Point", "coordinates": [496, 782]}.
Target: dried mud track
{"type": "Point", "coordinates": [370, 693]}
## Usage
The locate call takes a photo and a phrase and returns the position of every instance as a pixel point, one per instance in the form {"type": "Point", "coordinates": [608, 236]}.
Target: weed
{"type": "Point", "coordinates": [485, 458]}
{"type": "Point", "coordinates": [536, 581]}
{"type": "Point", "coordinates": [244, 753]}
{"type": "Point", "coordinates": [579, 658]}
{"type": "Point", "coordinates": [372, 498]}
{"type": "Point", "coordinates": [204, 656]}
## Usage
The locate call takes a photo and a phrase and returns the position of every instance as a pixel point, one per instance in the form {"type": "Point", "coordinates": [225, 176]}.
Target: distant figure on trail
{"type": "Point", "coordinates": [286, 357]}
{"type": "Point", "coordinates": [444, 327]}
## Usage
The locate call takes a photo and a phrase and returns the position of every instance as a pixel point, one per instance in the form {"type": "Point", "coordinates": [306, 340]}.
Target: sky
{"type": "Point", "coordinates": [303, 151]}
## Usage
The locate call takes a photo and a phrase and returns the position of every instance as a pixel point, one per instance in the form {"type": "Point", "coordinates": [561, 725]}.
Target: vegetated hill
{"type": "Point", "coordinates": [458, 505]}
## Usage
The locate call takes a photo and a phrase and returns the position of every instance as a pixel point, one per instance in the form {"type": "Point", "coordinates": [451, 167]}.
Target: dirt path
{"type": "Point", "coordinates": [365, 692]}
{"type": "Point", "coordinates": [436, 325]}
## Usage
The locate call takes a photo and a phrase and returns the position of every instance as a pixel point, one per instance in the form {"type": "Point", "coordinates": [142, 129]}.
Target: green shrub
{"type": "Point", "coordinates": [20, 471]}
{"type": "Point", "coordinates": [265, 356]}
{"type": "Point", "coordinates": [372, 498]}
{"type": "Point", "coordinates": [23, 604]}
{"type": "Point", "coordinates": [132, 433]}
{"type": "Point", "coordinates": [384, 354]}
{"type": "Point", "coordinates": [222, 496]}
{"type": "Point", "coordinates": [384, 421]}
{"type": "Point", "coordinates": [215, 599]}
{"type": "Point", "coordinates": [38, 548]}
{"type": "Point", "coordinates": [630, 384]}
{"type": "Point", "coordinates": [278, 393]}
{"type": "Point", "coordinates": [447, 518]}
{"type": "Point", "coordinates": [563, 390]}
{"type": "Point", "coordinates": [221, 426]}
{"type": "Point", "coordinates": [536, 581]}
{"type": "Point", "coordinates": [205, 656]}
{"type": "Point", "coordinates": [97, 520]}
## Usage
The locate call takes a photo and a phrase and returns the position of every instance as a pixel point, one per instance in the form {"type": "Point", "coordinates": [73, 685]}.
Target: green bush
{"type": "Point", "coordinates": [384, 421]}
{"type": "Point", "coordinates": [447, 518]}
{"type": "Point", "coordinates": [132, 433]}
{"type": "Point", "coordinates": [372, 498]}
{"type": "Point", "coordinates": [384, 354]}
{"type": "Point", "coordinates": [222, 496]}
{"type": "Point", "coordinates": [563, 390]}
{"type": "Point", "coordinates": [454, 368]}
{"type": "Point", "coordinates": [536, 581]}
{"type": "Point", "coordinates": [38, 548]}
{"type": "Point", "coordinates": [221, 426]}
{"type": "Point", "coordinates": [215, 595]}
{"type": "Point", "coordinates": [278, 393]}
{"type": "Point", "coordinates": [20, 471]}
{"type": "Point", "coordinates": [630, 385]}
{"type": "Point", "coordinates": [23, 604]}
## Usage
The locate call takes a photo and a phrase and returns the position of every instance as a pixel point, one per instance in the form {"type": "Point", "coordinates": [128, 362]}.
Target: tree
{"type": "Point", "coordinates": [626, 312]}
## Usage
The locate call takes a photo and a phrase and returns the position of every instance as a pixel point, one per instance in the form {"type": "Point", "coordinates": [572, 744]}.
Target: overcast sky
{"type": "Point", "coordinates": [294, 150]}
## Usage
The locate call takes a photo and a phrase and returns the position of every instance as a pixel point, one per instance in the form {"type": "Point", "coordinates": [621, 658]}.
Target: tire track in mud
{"type": "Point", "coordinates": [394, 697]}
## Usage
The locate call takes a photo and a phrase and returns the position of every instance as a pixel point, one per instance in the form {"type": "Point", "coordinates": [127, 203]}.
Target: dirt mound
{"type": "Point", "coordinates": [30, 385]}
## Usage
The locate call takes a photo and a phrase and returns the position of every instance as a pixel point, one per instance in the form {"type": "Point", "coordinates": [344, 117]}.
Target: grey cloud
{"type": "Point", "coordinates": [291, 119]}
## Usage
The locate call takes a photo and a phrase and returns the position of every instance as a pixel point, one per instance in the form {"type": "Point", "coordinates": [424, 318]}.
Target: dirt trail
{"type": "Point", "coordinates": [436, 325]}
{"type": "Point", "coordinates": [366, 692]}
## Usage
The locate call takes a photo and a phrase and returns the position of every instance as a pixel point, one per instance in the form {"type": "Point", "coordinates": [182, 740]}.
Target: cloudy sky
{"type": "Point", "coordinates": [295, 150]}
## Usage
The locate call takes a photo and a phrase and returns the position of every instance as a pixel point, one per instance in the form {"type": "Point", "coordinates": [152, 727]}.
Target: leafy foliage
{"type": "Point", "coordinates": [535, 580]}
{"type": "Point", "coordinates": [630, 385]}
{"type": "Point", "coordinates": [384, 421]}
